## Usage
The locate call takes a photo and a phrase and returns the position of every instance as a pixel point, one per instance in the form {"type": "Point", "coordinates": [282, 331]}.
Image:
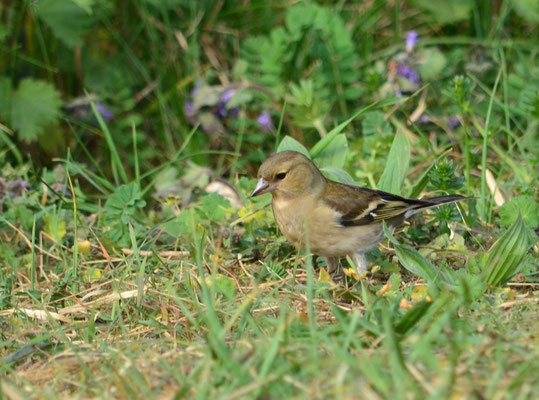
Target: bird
{"type": "Point", "coordinates": [335, 219]}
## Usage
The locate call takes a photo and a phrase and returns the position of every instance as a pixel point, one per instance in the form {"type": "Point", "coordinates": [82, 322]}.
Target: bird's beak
{"type": "Point", "coordinates": [261, 187]}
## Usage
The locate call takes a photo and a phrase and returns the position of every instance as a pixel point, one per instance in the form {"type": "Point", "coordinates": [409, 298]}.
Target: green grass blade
{"type": "Point", "coordinates": [117, 166]}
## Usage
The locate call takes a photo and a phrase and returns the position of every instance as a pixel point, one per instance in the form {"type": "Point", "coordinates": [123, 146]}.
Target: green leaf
{"type": "Point", "coordinates": [424, 178]}
{"type": "Point", "coordinates": [418, 265]}
{"type": "Point", "coordinates": [225, 286]}
{"type": "Point", "coordinates": [397, 163]}
{"type": "Point", "coordinates": [54, 226]}
{"type": "Point", "coordinates": [412, 317]}
{"type": "Point", "coordinates": [334, 155]}
{"type": "Point", "coordinates": [527, 9]}
{"type": "Point", "coordinates": [66, 19]}
{"type": "Point", "coordinates": [526, 206]}
{"type": "Point", "coordinates": [338, 175]}
{"type": "Point", "coordinates": [215, 206]}
{"type": "Point", "coordinates": [181, 224]}
{"type": "Point", "coordinates": [289, 143]}
{"type": "Point", "coordinates": [6, 93]}
{"type": "Point", "coordinates": [120, 210]}
{"type": "Point", "coordinates": [35, 105]}
{"type": "Point", "coordinates": [375, 123]}
{"type": "Point", "coordinates": [446, 11]}
{"type": "Point", "coordinates": [506, 254]}
{"type": "Point", "coordinates": [326, 140]}
{"type": "Point", "coordinates": [432, 63]}
{"type": "Point", "coordinates": [414, 262]}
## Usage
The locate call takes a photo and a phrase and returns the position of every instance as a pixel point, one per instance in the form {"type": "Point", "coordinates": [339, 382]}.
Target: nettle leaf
{"type": "Point", "coordinates": [397, 163]}
{"type": "Point", "coordinates": [35, 105]}
{"type": "Point", "coordinates": [289, 143]}
{"type": "Point", "coordinates": [66, 19]}
{"type": "Point", "coordinates": [526, 206]}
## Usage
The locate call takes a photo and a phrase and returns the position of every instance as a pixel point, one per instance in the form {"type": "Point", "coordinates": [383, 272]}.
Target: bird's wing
{"type": "Point", "coordinates": [362, 206]}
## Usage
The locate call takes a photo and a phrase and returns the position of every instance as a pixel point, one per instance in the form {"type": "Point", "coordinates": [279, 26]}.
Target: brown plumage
{"type": "Point", "coordinates": [339, 220]}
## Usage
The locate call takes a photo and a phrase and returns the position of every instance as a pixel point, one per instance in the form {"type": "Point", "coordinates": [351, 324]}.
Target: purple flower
{"type": "Point", "coordinates": [223, 100]}
{"type": "Point", "coordinates": [264, 121]}
{"type": "Point", "coordinates": [189, 112]}
{"type": "Point", "coordinates": [227, 95]}
{"type": "Point", "coordinates": [104, 111]}
{"type": "Point", "coordinates": [453, 123]}
{"type": "Point", "coordinates": [408, 72]}
{"type": "Point", "coordinates": [411, 40]}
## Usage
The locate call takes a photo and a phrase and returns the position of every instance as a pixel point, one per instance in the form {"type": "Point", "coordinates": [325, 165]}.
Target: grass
{"type": "Point", "coordinates": [120, 277]}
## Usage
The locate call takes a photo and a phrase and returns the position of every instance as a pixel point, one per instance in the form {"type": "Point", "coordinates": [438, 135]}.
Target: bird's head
{"type": "Point", "coordinates": [287, 174]}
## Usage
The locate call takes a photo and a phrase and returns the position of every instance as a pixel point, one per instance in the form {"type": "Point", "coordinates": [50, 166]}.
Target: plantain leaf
{"type": "Point", "coordinates": [397, 163]}
{"type": "Point", "coordinates": [326, 140]}
{"type": "Point", "coordinates": [506, 254]}
{"type": "Point", "coordinates": [338, 175]}
{"type": "Point", "coordinates": [289, 143]}
{"type": "Point", "coordinates": [414, 262]}
{"type": "Point", "coordinates": [334, 155]}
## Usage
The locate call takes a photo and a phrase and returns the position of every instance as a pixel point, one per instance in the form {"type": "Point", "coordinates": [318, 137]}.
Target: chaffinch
{"type": "Point", "coordinates": [339, 220]}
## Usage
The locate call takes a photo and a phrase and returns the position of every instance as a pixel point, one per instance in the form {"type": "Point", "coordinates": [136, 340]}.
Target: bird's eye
{"type": "Point", "coordinates": [280, 175]}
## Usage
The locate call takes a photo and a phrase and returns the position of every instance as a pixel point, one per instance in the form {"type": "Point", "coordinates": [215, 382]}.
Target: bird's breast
{"type": "Point", "coordinates": [290, 217]}
{"type": "Point", "coordinates": [327, 237]}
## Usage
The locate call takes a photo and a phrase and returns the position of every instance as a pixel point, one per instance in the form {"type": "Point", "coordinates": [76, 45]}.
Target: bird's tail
{"type": "Point", "coordinates": [434, 202]}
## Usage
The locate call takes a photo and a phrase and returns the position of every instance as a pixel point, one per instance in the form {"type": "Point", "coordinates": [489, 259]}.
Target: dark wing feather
{"type": "Point", "coordinates": [363, 206]}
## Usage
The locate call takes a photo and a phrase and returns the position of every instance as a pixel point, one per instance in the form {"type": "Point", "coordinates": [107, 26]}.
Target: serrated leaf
{"type": "Point", "coordinates": [526, 206]}
{"type": "Point", "coordinates": [289, 143]}
{"type": "Point", "coordinates": [35, 105]}
{"type": "Point", "coordinates": [66, 19]}
{"type": "Point", "coordinates": [120, 210]}
{"type": "Point", "coordinates": [397, 163]}
{"type": "Point", "coordinates": [334, 154]}
{"type": "Point", "coordinates": [216, 206]}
